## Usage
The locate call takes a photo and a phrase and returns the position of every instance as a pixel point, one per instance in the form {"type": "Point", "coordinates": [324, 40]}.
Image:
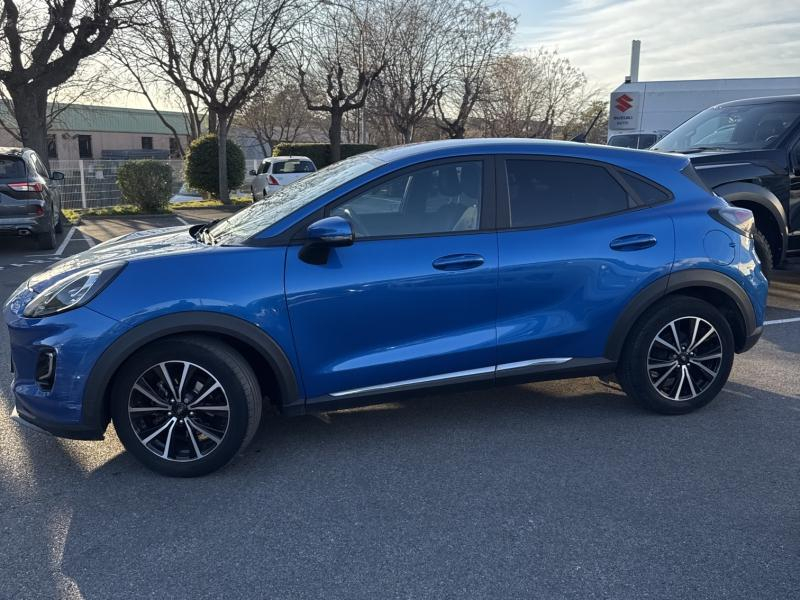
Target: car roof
{"type": "Point", "coordinates": [453, 148]}
{"type": "Point", "coordinates": [10, 151]}
{"type": "Point", "coordinates": [761, 100]}
{"type": "Point", "coordinates": [284, 158]}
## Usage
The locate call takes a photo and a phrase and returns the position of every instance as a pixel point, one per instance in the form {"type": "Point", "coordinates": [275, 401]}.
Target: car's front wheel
{"type": "Point", "coordinates": [186, 406]}
{"type": "Point", "coordinates": [679, 356]}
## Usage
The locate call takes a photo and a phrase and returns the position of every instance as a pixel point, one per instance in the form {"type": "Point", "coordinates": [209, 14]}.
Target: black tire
{"type": "Point", "coordinates": [239, 389]}
{"type": "Point", "coordinates": [46, 240]}
{"type": "Point", "coordinates": [639, 381]}
{"type": "Point", "coordinates": [59, 227]}
{"type": "Point", "coordinates": [764, 252]}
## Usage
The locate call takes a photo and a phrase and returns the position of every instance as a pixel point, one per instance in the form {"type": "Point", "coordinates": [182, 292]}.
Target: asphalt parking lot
{"type": "Point", "coordinates": [548, 490]}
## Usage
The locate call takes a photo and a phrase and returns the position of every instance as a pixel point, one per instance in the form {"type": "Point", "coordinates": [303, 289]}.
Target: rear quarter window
{"type": "Point", "coordinates": [11, 168]}
{"type": "Point", "coordinates": [647, 192]}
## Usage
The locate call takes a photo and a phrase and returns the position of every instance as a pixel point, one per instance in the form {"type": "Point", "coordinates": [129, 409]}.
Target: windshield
{"type": "Point", "coordinates": [740, 127]}
{"type": "Point", "coordinates": [254, 219]}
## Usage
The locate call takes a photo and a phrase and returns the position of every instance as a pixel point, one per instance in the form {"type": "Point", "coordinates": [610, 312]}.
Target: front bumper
{"type": "Point", "coordinates": [79, 337]}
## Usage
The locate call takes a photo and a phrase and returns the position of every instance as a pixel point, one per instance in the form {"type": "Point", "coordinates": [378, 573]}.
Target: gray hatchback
{"type": "Point", "coordinates": [29, 204]}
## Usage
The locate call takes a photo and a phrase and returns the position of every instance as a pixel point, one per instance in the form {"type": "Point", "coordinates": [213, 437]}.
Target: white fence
{"type": "Point", "coordinates": [93, 183]}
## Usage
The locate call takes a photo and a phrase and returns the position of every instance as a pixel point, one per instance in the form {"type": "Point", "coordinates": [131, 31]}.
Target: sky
{"type": "Point", "coordinates": [681, 39]}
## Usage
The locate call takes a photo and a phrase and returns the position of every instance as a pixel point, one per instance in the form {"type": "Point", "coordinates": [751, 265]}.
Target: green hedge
{"type": "Point", "coordinates": [319, 153]}
{"type": "Point", "coordinates": [202, 165]}
{"type": "Point", "coordinates": [146, 184]}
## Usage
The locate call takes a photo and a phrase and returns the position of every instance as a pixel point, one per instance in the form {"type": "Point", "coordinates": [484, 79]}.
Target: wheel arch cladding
{"type": "Point", "coordinates": [767, 210]}
{"type": "Point", "coordinates": [711, 286]}
{"type": "Point", "coordinates": [257, 347]}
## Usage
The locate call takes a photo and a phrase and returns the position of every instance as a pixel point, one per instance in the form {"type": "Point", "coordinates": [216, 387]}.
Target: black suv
{"type": "Point", "coordinates": [29, 204]}
{"type": "Point", "coordinates": [748, 152]}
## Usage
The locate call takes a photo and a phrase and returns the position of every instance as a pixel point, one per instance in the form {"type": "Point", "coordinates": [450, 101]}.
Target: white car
{"type": "Point", "coordinates": [278, 171]}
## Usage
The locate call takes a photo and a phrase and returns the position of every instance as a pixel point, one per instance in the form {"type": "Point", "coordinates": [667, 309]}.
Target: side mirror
{"type": "Point", "coordinates": [322, 235]}
{"type": "Point", "coordinates": [56, 176]}
{"type": "Point", "coordinates": [253, 172]}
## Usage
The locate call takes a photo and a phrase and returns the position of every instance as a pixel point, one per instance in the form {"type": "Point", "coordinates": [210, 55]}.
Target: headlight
{"type": "Point", "coordinates": [73, 291]}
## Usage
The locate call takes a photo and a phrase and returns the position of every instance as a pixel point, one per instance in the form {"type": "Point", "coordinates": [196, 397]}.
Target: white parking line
{"type": "Point", "coordinates": [88, 240]}
{"type": "Point", "coordinates": [181, 220]}
{"type": "Point", "coordinates": [782, 321]}
{"type": "Point", "coordinates": [65, 241]}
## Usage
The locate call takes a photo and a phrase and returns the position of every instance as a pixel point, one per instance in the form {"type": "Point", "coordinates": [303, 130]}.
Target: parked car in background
{"type": "Point", "coordinates": [278, 171]}
{"type": "Point", "coordinates": [422, 266]}
{"type": "Point", "coordinates": [30, 205]}
{"type": "Point", "coordinates": [637, 141]}
{"type": "Point", "coordinates": [748, 152]}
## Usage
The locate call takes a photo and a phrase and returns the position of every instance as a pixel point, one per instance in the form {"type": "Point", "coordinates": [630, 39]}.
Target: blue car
{"type": "Point", "coordinates": [423, 266]}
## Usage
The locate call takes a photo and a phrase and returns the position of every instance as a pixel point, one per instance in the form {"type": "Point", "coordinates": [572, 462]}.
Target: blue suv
{"type": "Point", "coordinates": [421, 266]}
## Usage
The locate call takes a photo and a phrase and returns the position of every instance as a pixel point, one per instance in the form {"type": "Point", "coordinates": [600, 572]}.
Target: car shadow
{"type": "Point", "coordinates": [461, 491]}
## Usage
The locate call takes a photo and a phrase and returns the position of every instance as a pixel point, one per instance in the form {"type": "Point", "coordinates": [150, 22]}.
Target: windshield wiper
{"type": "Point", "coordinates": [697, 149]}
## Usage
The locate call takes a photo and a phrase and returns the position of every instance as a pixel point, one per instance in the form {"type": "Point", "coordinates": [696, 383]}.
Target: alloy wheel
{"type": "Point", "coordinates": [684, 358]}
{"type": "Point", "coordinates": [179, 411]}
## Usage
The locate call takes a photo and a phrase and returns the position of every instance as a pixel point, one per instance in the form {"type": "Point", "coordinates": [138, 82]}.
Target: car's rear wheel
{"type": "Point", "coordinates": [186, 406]}
{"type": "Point", "coordinates": [764, 252]}
{"type": "Point", "coordinates": [679, 356]}
{"type": "Point", "coordinates": [59, 227]}
{"type": "Point", "coordinates": [46, 240]}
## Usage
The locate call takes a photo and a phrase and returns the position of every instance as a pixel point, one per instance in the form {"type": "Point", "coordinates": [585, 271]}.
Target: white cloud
{"type": "Point", "coordinates": [681, 39]}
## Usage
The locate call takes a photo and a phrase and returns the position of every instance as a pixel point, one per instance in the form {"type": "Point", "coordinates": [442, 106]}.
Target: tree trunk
{"type": "Point", "coordinates": [222, 150]}
{"type": "Point", "coordinates": [335, 136]}
{"type": "Point", "coordinates": [30, 111]}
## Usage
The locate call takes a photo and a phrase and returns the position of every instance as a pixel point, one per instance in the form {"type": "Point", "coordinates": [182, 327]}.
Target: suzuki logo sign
{"type": "Point", "coordinates": [625, 111]}
{"type": "Point", "coordinates": [624, 102]}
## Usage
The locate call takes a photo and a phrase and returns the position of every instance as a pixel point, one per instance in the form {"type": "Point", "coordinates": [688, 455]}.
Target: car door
{"type": "Point", "coordinates": [578, 243]}
{"type": "Point", "coordinates": [412, 300]}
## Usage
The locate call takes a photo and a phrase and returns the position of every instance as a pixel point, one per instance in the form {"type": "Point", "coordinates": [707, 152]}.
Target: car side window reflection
{"type": "Point", "coordinates": [439, 199]}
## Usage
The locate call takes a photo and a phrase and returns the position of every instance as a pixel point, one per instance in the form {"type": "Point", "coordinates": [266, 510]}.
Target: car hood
{"type": "Point", "coordinates": [133, 246]}
{"type": "Point", "coordinates": [719, 167]}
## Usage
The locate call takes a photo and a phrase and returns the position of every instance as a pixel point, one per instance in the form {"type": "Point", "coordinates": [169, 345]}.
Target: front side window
{"type": "Point", "coordinates": [548, 192]}
{"type": "Point", "coordinates": [439, 199]}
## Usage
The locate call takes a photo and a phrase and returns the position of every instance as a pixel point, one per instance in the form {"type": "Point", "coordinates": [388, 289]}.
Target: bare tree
{"type": "Point", "coordinates": [530, 94]}
{"type": "Point", "coordinates": [416, 75]}
{"type": "Point", "coordinates": [276, 116]}
{"type": "Point", "coordinates": [347, 53]}
{"type": "Point", "coordinates": [217, 53]}
{"type": "Point", "coordinates": [42, 46]}
{"type": "Point", "coordinates": [482, 34]}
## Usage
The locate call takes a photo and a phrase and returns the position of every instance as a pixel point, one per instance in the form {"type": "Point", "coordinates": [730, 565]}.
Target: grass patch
{"type": "Point", "coordinates": [121, 210]}
{"type": "Point", "coordinates": [213, 203]}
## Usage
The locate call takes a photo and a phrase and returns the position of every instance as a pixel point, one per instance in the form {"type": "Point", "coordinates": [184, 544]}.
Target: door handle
{"type": "Point", "coordinates": [458, 262]}
{"type": "Point", "coordinates": [637, 241]}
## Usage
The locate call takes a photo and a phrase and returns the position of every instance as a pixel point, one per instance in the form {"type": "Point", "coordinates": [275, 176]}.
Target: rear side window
{"type": "Point", "coordinates": [292, 166]}
{"type": "Point", "coordinates": [547, 192]}
{"type": "Point", "coordinates": [647, 192]}
{"type": "Point", "coordinates": [11, 168]}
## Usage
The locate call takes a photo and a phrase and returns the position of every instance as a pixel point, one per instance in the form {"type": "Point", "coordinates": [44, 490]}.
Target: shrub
{"type": "Point", "coordinates": [202, 165]}
{"type": "Point", "coordinates": [146, 184]}
{"type": "Point", "coordinates": [319, 153]}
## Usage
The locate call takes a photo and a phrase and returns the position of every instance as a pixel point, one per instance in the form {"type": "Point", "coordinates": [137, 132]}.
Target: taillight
{"type": "Point", "coordinates": [271, 180]}
{"type": "Point", "coordinates": [739, 219]}
{"type": "Point", "coordinates": [26, 186]}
